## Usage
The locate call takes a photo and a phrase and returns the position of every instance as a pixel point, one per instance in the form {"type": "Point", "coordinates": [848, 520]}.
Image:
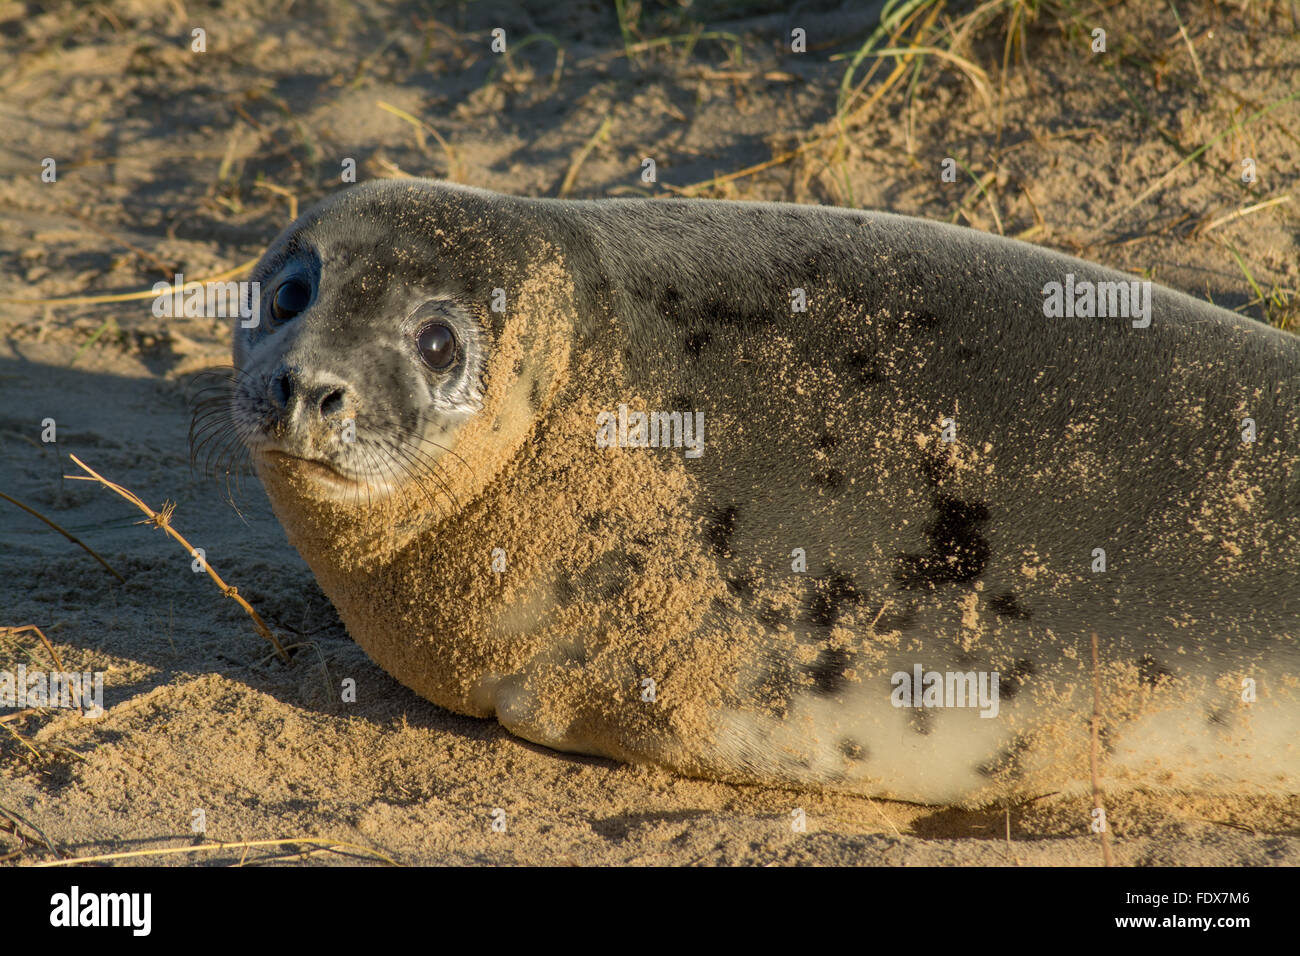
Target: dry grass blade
{"type": "Point", "coordinates": [163, 520]}
{"type": "Point", "coordinates": [218, 847]}
{"type": "Point", "coordinates": [15, 631]}
{"type": "Point", "coordinates": [17, 823]}
{"type": "Point", "coordinates": [843, 121]}
{"type": "Point", "coordinates": [888, 822]}
{"type": "Point", "coordinates": [1092, 757]}
{"type": "Point", "coordinates": [1196, 61]}
{"type": "Point", "coordinates": [1241, 213]}
{"type": "Point", "coordinates": [286, 193]}
{"type": "Point", "coordinates": [132, 296]}
{"type": "Point", "coordinates": [67, 534]}
{"type": "Point", "coordinates": [40, 757]}
{"type": "Point", "coordinates": [979, 79]}
{"type": "Point", "coordinates": [454, 171]}
{"type": "Point", "coordinates": [581, 155]}
{"type": "Point", "coordinates": [1190, 157]}
{"type": "Point", "coordinates": [1011, 850]}
{"type": "Point", "coordinates": [54, 655]}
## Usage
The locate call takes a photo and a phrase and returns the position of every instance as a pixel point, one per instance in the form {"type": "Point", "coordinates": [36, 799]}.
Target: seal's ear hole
{"type": "Point", "coordinates": [291, 297]}
{"type": "Point", "coordinates": [436, 343]}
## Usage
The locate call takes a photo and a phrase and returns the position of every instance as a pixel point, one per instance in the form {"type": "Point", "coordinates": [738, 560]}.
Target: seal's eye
{"type": "Point", "coordinates": [290, 299]}
{"type": "Point", "coordinates": [436, 343]}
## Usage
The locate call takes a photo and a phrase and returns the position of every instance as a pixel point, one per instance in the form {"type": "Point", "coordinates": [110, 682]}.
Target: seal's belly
{"type": "Point", "coordinates": [903, 708]}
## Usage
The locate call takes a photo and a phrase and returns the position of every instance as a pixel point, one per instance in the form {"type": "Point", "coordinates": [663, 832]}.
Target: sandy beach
{"type": "Point", "coordinates": [171, 161]}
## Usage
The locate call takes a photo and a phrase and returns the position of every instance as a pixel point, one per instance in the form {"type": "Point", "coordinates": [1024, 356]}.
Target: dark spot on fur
{"type": "Point", "coordinates": [1006, 605]}
{"type": "Point", "coordinates": [832, 479]}
{"type": "Point", "coordinates": [719, 605]}
{"type": "Point", "coordinates": [853, 750]}
{"type": "Point", "coordinates": [617, 569]}
{"type": "Point", "coordinates": [865, 368]}
{"type": "Point", "coordinates": [958, 551]}
{"type": "Point", "coordinates": [741, 586]}
{"type": "Point", "coordinates": [1217, 717]}
{"type": "Point", "coordinates": [1008, 763]}
{"type": "Point", "coordinates": [595, 521]}
{"type": "Point", "coordinates": [1151, 672]}
{"type": "Point", "coordinates": [725, 312]}
{"type": "Point", "coordinates": [826, 441]}
{"type": "Point", "coordinates": [696, 341]}
{"type": "Point", "coordinates": [517, 368]}
{"type": "Point", "coordinates": [825, 605]}
{"type": "Point", "coordinates": [642, 286]}
{"type": "Point", "coordinates": [680, 403]}
{"type": "Point", "coordinates": [1013, 678]}
{"type": "Point", "coordinates": [936, 469]}
{"type": "Point", "coordinates": [919, 720]}
{"type": "Point", "coordinates": [924, 318]}
{"type": "Point", "coordinates": [828, 672]}
{"type": "Point", "coordinates": [965, 353]}
{"type": "Point", "coordinates": [774, 617]}
{"type": "Point", "coordinates": [719, 530]}
{"type": "Point", "coordinates": [534, 395]}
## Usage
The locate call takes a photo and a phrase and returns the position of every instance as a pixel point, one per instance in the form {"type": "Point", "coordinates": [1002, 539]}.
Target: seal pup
{"type": "Point", "coordinates": [785, 494]}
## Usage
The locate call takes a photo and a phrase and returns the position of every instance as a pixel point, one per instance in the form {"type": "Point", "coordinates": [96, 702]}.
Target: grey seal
{"type": "Point", "coordinates": [787, 494]}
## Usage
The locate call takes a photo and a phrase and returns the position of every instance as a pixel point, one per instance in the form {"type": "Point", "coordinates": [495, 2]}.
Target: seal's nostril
{"type": "Point", "coordinates": [332, 403]}
{"type": "Point", "coordinates": [282, 388]}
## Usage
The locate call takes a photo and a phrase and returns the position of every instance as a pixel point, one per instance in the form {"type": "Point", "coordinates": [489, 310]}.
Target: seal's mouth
{"type": "Point", "coordinates": [308, 467]}
{"type": "Point", "coordinates": [332, 482]}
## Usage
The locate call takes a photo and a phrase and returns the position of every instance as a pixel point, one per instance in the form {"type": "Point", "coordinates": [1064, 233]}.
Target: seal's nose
{"type": "Point", "coordinates": [290, 391]}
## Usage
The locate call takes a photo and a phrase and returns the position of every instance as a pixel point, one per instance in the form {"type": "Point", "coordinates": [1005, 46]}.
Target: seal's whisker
{"type": "Point", "coordinates": [413, 432]}
{"type": "Point", "coordinates": [386, 465]}
{"type": "Point", "coordinates": [392, 434]}
{"type": "Point", "coordinates": [211, 435]}
{"type": "Point", "coordinates": [217, 438]}
{"type": "Point", "coordinates": [359, 488]}
{"type": "Point", "coordinates": [229, 461]}
{"type": "Point", "coordinates": [434, 465]}
{"type": "Point", "coordinates": [413, 467]}
{"type": "Point", "coordinates": [445, 450]}
{"type": "Point", "coordinates": [425, 464]}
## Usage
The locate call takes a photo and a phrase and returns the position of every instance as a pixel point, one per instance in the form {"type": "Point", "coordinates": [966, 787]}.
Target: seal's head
{"type": "Point", "coordinates": [360, 367]}
{"type": "Point", "coordinates": [391, 350]}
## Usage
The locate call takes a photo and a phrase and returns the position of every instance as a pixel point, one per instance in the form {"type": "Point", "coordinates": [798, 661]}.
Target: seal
{"type": "Point", "coordinates": [792, 495]}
